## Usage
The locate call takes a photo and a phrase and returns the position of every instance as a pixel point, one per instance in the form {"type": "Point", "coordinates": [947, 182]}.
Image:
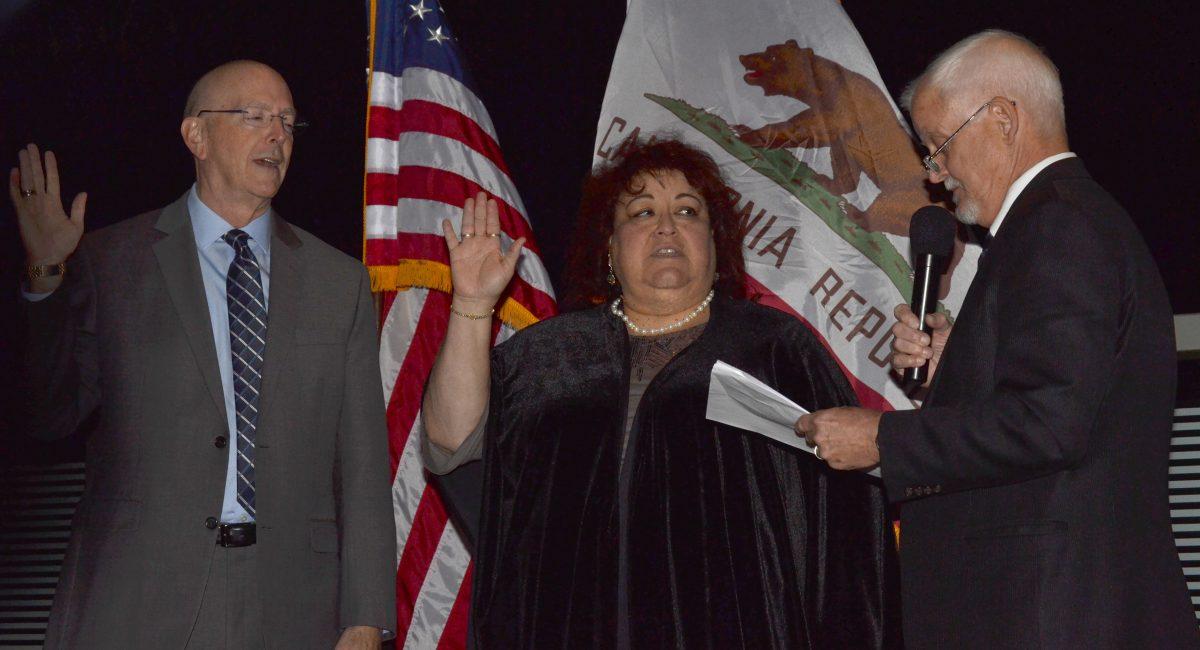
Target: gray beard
{"type": "Point", "coordinates": [968, 211]}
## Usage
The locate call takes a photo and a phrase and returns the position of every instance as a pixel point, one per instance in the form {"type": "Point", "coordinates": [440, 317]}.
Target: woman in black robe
{"type": "Point", "coordinates": [614, 513]}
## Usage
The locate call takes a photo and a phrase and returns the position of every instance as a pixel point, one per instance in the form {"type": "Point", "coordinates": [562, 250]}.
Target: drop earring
{"type": "Point", "coordinates": [612, 277]}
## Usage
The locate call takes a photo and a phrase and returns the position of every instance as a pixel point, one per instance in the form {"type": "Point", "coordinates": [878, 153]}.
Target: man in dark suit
{"type": "Point", "coordinates": [1034, 477]}
{"type": "Point", "coordinates": [238, 489]}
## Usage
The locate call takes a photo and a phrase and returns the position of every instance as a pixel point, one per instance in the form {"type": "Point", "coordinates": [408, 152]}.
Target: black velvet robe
{"type": "Point", "coordinates": [733, 540]}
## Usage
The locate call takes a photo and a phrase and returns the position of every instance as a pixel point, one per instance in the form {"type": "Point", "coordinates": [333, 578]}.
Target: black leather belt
{"type": "Point", "coordinates": [236, 535]}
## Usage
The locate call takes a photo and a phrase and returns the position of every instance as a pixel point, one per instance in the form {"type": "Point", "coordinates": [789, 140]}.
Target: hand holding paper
{"type": "Point", "coordinates": [738, 399]}
{"type": "Point", "coordinates": [846, 436]}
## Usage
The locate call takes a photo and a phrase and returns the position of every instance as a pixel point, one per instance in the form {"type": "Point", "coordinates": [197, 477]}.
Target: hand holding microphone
{"type": "Point", "coordinates": [920, 333]}
{"type": "Point", "coordinates": [912, 347]}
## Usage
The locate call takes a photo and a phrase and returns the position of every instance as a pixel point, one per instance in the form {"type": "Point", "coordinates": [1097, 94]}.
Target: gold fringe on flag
{"type": "Point", "coordinates": [435, 275]}
{"type": "Point", "coordinates": [411, 273]}
{"type": "Point", "coordinates": [515, 314]}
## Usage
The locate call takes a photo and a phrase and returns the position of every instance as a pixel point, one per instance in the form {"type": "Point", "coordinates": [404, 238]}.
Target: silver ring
{"type": "Point", "coordinates": [28, 193]}
{"type": "Point", "coordinates": [468, 235]}
{"type": "Point", "coordinates": [817, 452]}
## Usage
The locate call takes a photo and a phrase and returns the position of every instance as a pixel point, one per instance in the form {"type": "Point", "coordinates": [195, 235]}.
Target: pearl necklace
{"type": "Point", "coordinates": [640, 331]}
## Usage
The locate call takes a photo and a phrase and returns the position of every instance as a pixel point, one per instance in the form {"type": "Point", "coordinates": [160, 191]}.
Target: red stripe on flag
{"type": "Point", "coordinates": [382, 252]}
{"type": "Point", "coordinates": [405, 399]}
{"type": "Point", "coordinates": [429, 117]}
{"type": "Point", "coordinates": [421, 246]}
{"type": "Point", "coordinates": [431, 184]}
{"type": "Point", "coordinates": [428, 526]}
{"type": "Point", "coordinates": [454, 635]}
{"type": "Point", "coordinates": [867, 397]}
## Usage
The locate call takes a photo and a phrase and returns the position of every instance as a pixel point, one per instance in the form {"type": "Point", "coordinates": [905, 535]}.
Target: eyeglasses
{"type": "Point", "coordinates": [930, 164]}
{"type": "Point", "coordinates": [259, 118]}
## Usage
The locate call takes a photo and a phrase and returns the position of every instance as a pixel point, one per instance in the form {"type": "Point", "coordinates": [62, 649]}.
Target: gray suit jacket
{"type": "Point", "coordinates": [128, 337]}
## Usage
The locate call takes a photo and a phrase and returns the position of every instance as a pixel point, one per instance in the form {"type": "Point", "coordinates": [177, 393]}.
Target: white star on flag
{"type": "Point", "coordinates": [437, 36]}
{"type": "Point", "coordinates": [419, 10]}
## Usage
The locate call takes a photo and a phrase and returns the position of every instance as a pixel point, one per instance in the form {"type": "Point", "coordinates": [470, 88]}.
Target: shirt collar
{"type": "Point", "coordinates": [1019, 185]}
{"type": "Point", "coordinates": [208, 227]}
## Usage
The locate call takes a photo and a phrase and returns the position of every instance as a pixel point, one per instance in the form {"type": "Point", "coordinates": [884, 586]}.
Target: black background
{"type": "Point", "coordinates": [103, 83]}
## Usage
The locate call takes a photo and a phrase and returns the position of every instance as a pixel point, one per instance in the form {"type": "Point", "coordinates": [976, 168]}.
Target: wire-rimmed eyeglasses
{"type": "Point", "coordinates": [930, 164]}
{"type": "Point", "coordinates": [259, 118]}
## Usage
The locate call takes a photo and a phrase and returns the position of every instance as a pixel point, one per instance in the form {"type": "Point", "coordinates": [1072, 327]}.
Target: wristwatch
{"type": "Point", "coordinates": [37, 271]}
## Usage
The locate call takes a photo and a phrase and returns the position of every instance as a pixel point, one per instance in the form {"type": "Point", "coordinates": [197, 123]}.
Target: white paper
{"type": "Point", "coordinates": [740, 400]}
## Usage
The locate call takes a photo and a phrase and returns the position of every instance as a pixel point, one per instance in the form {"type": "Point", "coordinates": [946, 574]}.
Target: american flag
{"type": "Point", "coordinates": [430, 145]}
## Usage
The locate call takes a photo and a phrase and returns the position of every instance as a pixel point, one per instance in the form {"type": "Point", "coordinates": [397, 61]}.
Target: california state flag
{"type": "Point", "coordinates": [784, 95]}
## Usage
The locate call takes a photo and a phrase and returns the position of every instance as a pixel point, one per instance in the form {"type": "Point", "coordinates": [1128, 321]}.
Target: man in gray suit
{"type": "Point", "coordinates": [238, 476]}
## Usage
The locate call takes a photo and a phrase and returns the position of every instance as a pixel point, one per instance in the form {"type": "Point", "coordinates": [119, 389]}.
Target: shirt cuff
{"type": "Point", "coordinates": [35, 297]}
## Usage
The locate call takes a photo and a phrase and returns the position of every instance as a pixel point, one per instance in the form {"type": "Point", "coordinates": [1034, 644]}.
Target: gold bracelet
{"type": "Point", "coordinates": [472, 316]}
{"type": "Point", "coordinates": [38, 271]}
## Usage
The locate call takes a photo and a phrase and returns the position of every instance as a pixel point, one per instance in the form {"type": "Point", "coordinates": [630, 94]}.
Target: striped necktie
{"type": "Point", "coordinates": [247, 341]}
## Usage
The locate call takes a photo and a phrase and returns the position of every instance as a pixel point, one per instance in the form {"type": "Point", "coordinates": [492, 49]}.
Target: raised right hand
{"type": "Point", "coordinates": [911, 347]}
{"type": "Point", "coordinates": [49, 235]}
{"type": "Point", "coordinates": [479, 269]}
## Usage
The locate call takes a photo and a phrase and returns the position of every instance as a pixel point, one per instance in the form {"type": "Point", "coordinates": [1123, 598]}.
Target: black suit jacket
{"type": "Point", "coordinates": [1036, 472]}
{"type": "Point", "coordinates": [128, 336]}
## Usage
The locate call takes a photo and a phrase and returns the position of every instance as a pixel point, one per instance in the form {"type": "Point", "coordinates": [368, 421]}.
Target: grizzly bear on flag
{"type": "Point", "coordinates": [848, 113]}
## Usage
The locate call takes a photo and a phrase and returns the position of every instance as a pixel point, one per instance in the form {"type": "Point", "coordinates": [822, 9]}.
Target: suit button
{"type": "Point", "coordinates": [220, 441]}
{"type": "Point", "coordinates": [211, 523]}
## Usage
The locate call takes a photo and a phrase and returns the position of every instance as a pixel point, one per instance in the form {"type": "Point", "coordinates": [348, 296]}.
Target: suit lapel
{"type": "Point", "coordinates": [284, 308]}
{"type": "Point", "coordinates": [972, 309]}
{"type": "Point", "coordinates": [180, 266]}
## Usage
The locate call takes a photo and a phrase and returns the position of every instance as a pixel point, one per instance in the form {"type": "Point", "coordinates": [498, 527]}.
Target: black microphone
{"type": "Point", "coordinates": [931, 233]}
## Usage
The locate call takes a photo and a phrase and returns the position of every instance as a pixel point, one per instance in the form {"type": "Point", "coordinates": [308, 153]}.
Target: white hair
{"type": "Point", "coordinates": [995, 62]}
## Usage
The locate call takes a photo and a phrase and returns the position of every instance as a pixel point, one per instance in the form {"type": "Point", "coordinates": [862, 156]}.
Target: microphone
{"type": "Point", "coordinates": [931, 233]}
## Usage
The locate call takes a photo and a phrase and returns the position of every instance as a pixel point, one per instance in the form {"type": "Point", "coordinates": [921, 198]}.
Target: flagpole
{"type": "Point", "coordinates": [367, 129]}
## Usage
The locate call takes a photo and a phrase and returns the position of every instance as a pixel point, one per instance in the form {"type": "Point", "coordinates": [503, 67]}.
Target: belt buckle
{"type": "Point", "coordinates": [236, 535]}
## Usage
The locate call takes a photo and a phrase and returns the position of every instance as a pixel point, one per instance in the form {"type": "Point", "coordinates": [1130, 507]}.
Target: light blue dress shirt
{"type": "Point", "coordinates": [215, 257]}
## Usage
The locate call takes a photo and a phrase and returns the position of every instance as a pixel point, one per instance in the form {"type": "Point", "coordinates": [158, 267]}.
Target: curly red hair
{"type": "Point", "coordinates": [587, 261]}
